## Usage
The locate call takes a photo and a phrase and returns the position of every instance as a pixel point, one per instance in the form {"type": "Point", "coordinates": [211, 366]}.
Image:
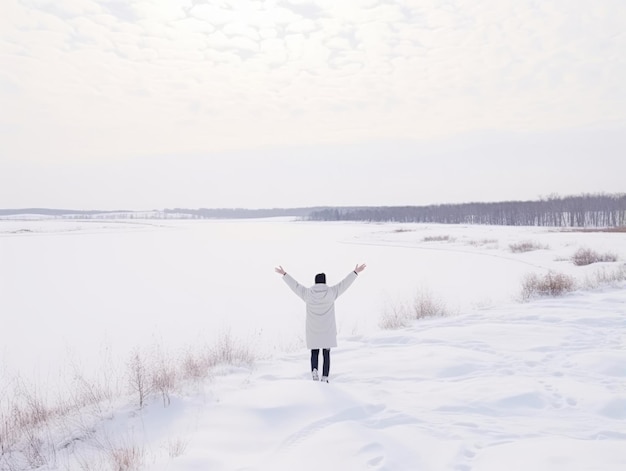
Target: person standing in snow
{"type": "Point", "coordinates": [321, 328]}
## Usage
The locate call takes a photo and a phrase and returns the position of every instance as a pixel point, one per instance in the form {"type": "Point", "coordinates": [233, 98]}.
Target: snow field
{"type": "Point", "coordinates": [497, 384]}
{"type": "Point", "coordinates": [540, 384]}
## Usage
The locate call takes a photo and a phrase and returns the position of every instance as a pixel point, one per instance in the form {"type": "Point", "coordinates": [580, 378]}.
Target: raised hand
{"type": "Point", "coordinates": [359, 268]}
{"type": "Point", "coordinates": [280, 270]}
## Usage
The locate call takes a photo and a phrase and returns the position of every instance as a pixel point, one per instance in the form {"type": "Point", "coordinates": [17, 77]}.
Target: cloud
{"type": "Point", "coordinates": [306, 9]}
{"type": "Point", "coordinates": [241, 29]}
{"type": "Point", "coordinates": [185, 76]}
{"type": "Point", "coordinates": [303, 26]}
{"type": "Point", "coordinates": [64, 9]}
{"type": "Point", "coordinates": [159, 10]}
{"type": "Point", "coordinates": [121, 10]}
{"type": "Point", "coordinates": [8, 86]}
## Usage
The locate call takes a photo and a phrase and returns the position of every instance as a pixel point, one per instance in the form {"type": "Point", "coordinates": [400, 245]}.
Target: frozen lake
{"type": "Point", "coordinates": [76, 292]}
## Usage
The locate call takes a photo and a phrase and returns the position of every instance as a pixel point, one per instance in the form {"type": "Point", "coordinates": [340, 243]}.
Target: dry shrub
{"type": "Point", "coordinates": [93, 392]}
{"type": "Point", "coordinates": [7, 433]}
{"type": "Point", "coordinates": [177, 447]}
{"type": "Point", "coordinates": [35, 452]}
{"type": "Point", "coordinates": [426, 305]}
{"type": "Point", "coordinates": [163, 376]}
{"type": "Point", "coordinates": [585, 256]}
{"type": "Point", "coordinates": [198, 364]}
{"type": "Point", "coordinates": [550, 284]}
{"type": "Point", "coordinates": [22, 414]}
{"type": "Point", "coordinates": [526, 246]}
{"type": "Point", "coordinates": [88, 392]}
{"type": "Point", "coordinates": [483, 242]}
{"type": "Point", "coordinates": [228, 351]}
{"type": "Point", "coordinates": [138, 377]}
{"type": "Point", "coordinates": [438, 238]}
{"type": "Point", "coordinates": [159, 372]}
{"type": "Point", "coordinates": [127, 458]}
{"type": "Point", "coordinates": [33, 409]}
{"type": "Point", "coordinates": [561, 258]}
{"type": "Point", "coordinates": [398, 316]}
{"type": "Point", "coordinates": [194, 367]}
{"type": "Point", "coordinates": [394, 317]}
{"type": "Point", "coordinates": [27, 417]}
{"type": "Point", "coordinates": [606, 277]}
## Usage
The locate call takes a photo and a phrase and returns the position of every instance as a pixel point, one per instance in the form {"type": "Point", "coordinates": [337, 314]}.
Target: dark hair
{"type": "Point", "coordinates": [320, 278]}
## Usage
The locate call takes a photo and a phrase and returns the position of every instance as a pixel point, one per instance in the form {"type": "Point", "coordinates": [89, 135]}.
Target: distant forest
{"type": "Point", "coordinates": [176, 213]}
{"type": "Point", "coordinates": [588, 210]}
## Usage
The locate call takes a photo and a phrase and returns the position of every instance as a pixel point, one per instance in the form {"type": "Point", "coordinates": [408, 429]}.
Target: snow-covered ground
{"type": "Point", "coordinates": [495, 385]}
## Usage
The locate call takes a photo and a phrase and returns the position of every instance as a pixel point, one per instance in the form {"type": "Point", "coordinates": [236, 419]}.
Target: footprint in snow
{"type": "Point", "coordinates": [374, 455]}
{"type": "Point", "coordinates": [350, 414]}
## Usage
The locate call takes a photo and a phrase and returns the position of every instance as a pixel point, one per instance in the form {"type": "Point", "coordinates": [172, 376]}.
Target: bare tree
{"type": "Point", "coordinates": [586, 210]}
{"type": "Point", "coordinates": [138, 377]}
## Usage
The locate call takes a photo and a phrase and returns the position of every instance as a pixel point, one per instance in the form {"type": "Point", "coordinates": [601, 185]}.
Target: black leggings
{"type": "Point", "coordinates": [314, 360]}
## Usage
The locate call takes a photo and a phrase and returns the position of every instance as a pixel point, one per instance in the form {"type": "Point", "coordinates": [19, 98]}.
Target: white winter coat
{"type": "Point", "coordinates": [321, 329]}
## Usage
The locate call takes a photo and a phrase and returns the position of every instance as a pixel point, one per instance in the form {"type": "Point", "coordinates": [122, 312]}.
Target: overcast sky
{"type": "Point", "coordinates": [145, 104]}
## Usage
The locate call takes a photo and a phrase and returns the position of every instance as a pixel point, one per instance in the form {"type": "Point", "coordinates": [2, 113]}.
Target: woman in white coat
{"type": "Point", "coordinates": [321, 328]}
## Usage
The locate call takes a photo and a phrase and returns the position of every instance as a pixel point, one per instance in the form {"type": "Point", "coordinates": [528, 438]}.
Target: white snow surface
{"type": "Point", "coordinates": [495, 385]}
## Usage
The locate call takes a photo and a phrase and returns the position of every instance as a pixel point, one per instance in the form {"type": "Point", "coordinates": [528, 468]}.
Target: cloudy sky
{"type": "Point", "coordinates": [144, 104]}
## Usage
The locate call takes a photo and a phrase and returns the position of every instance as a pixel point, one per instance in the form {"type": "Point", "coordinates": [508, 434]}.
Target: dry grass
{"type": "Point", "coordinates": [138, 377]}
{"type": "Point", "coordinates": [177, 447]}
{"type": "Point", "coordinates": [397, 316]}
{"type": "Point", "coordinates": [126, 458]}
{"type": "Point", "coordinates": [26, 418]}
{"type": "Point", "coordinates": [585, 256]}
{"type": "Point", "coordinates": [527, 246]}
{"type": "Point", "coordinates": [394, 317]}
{"type": "Point", "coordinates": [561, 258]}
{"type": "Point", "coordinates": [605, 277]}
{"type": "Point", "coordinates": [438, 238]}
{"type": "Point", "coordinates": [229, 351]}
{"type": "Point", "coordinates": [490, 243]}
{"type": "Point", "coordinates": [193, 367]}
{"type": "Point", "coordinates": [550, 284]}
{"type": "Point", "coordinates": [427, 305]}
{"type": "Point", "coordinates": [30, 422]}
{"type": "Point", "coordinates": [163, 376]}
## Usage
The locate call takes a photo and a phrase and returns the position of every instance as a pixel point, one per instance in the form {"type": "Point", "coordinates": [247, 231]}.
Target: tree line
{"type": "Point", "coordinates": [176, 213]}
{"type": "Point", "coordinates": [586, 210]}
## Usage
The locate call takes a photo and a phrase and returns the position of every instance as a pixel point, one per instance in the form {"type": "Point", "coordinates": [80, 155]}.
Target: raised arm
{"type": "Point", "coordinates": [343, 285]}
{"type": "Point", "coordinates": [291, 282]}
